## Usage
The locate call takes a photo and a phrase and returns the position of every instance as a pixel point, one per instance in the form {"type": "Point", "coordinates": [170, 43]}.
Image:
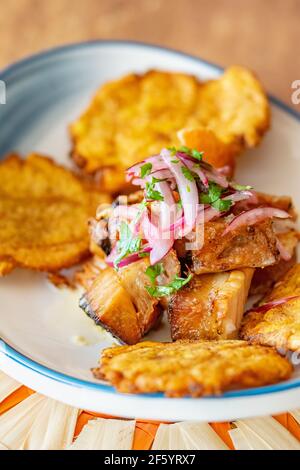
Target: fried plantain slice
{"type": "Point", "coordinates": [277, 325]}
{"type": "Point", "coordinates": [287, 286]}
{"type": "Point", "coordinates": [187, 368]}
{"type": "Point", "coordinates": [6, 266]}
{"type": "Point", "coordinates": [215, 151]}
{"type": "Point", "coordinates": [137, 115]}
{"type": "Point", "coordinates": [44, 210]}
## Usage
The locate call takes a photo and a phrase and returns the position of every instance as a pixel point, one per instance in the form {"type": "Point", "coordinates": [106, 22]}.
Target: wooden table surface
{"type": "Point", "coordinates": [261, 34]}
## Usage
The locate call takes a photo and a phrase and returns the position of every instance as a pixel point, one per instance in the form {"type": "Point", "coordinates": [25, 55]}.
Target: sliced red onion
{"type": "Point", "coordinates": [254, 216]}
{"type": "Point", "coordinates": [274, 303]}
{"type": "Point", "coordinates": [138, 182]}
{"type": "Point", "coordinates": [217, 178]}
{"type": "Point", "coordinates": [150, 229]}
{"type": "Point", "coordinates": [187, 190]}
{"type": "Point", "coordinates": [135, 170]}
{"type": "Point", "coordinates": [238, 196]}
{"type": "Point", "coordinates": [128, 260]}
{"type": "Point", "coordinates": [204, 170]}
{"type": "Point", "coordinates": [160, 250]}
{"type": "Point", "coordinates": [224, 170]}
{"type": "Point", "coordinates": [160, 246]}
{"type": "Point", "coordinates": [196, 169]}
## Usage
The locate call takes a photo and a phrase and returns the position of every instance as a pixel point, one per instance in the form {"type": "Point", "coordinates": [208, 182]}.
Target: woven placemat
{"type": "Point", "coordinates": [279, 432]}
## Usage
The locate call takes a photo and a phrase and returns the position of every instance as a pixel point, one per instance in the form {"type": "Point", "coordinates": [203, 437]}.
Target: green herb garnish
{"type": "Point", "coordinates": [213, 197]}
{"type": "Point", "coordinates": [184, 149]}
{"type": "Point", "coordinates": [146, 169]}
{"type": "Point", "coordinates": [169, 289]}
{"type": "Point", "coordinates": [196, 154]}
{"type": "Point", "coordinates": [240, 187]}
{"type": "Point", "coordinates": [154, 271]}
{"type": "Point", "coordinates": [187, 173]}
{"type": "Point", "coordinates": [172, 150]}
{"type": "Point", "coordinates": [127, 244]}
{"type": "Point", "coordinates": [222, 205]}
{"type": "Point", "coordinates": [153, 194]}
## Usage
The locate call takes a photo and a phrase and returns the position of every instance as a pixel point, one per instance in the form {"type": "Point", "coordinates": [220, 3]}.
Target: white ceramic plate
{"type": "Point", "coordinates": [38, 323]}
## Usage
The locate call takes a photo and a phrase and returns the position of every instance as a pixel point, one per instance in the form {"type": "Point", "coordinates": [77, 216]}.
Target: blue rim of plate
{"type": "Point", "coordinates": [34, 366]}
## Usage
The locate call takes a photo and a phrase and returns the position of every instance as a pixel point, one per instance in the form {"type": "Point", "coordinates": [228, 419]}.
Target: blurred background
{"type": "Point", "coordinates": [261, 34]}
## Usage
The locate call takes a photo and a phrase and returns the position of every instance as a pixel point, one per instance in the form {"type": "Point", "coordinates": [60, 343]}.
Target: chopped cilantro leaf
{"type": "Point", "coordinates": [185, 149]}
{"type": "Point", "coordinates": [173, 150]}
{"type": "Point", "coordinates": [221, 205]}
{"type": "Point", "coordinates": [175, 161]}
{"type": "Point", "coordinates": [187, 173]}
{"type": "Point", "coordinates": [127, 244]}
{"type": "Point", "coordinates": [143, 255]}
{"type": "Point", "coordinates": [213, 194]}
{"type": "Point", "coordinates": [169, 289]}
{"type": "Point", "coordinates": [196, 154]}
{"type": "Point", "coordinates": [151, 193]}
{"type": "Point", "coordinates": [213, 197]}
{"type": "Point", "coordinates": [205, 199]}
{"type": "Point", "coordinates": [146, 169]}
{"type": "Point", "coordinates": [154, 271]}
{"type": "Point", "coordinates": [240, 187]}
{"type": "Point", "coordinates": [190, 152]}
{"type": "Point", "coordinates": [156, 180]}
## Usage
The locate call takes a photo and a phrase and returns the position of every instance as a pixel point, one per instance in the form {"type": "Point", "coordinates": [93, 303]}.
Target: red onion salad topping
{"type": "Point", "coordinates": [181, 191]}
{"type": "Point", "coordinates": [273, 303]}
{"type": "Point", "coordinates": [253, 216]}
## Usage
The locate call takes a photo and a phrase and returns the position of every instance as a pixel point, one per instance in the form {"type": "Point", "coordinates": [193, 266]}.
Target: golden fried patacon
{"type": "Point", "coordinates": [210, 306]}
{"type": "Point", "coordinates": [137, 115]}
{"type": "Point", "coordinates": [44, 213]}
{"type": "Point", "coordinates": [277, 321]}
{"type": "Point", "coordinates": [288, 286]}
{"type": "Point", "coordinates": [215, 151]}
{"type": "Point", "coordinates": [6, 266]}
{"type": "Point", "coordinates": [187, 368]}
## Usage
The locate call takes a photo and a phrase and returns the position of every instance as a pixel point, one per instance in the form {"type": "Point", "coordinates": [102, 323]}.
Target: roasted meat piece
{"type": "Point", "coordinates": [109, 305]}
{"type": "Point", "coordinates": [134, 280]}
{"type": "Point", "coordinates": [124, 307]}
{"type": "Point", "coordinates": [210, 306]}
{"type": "Point", "coordinates": [252, 246]}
